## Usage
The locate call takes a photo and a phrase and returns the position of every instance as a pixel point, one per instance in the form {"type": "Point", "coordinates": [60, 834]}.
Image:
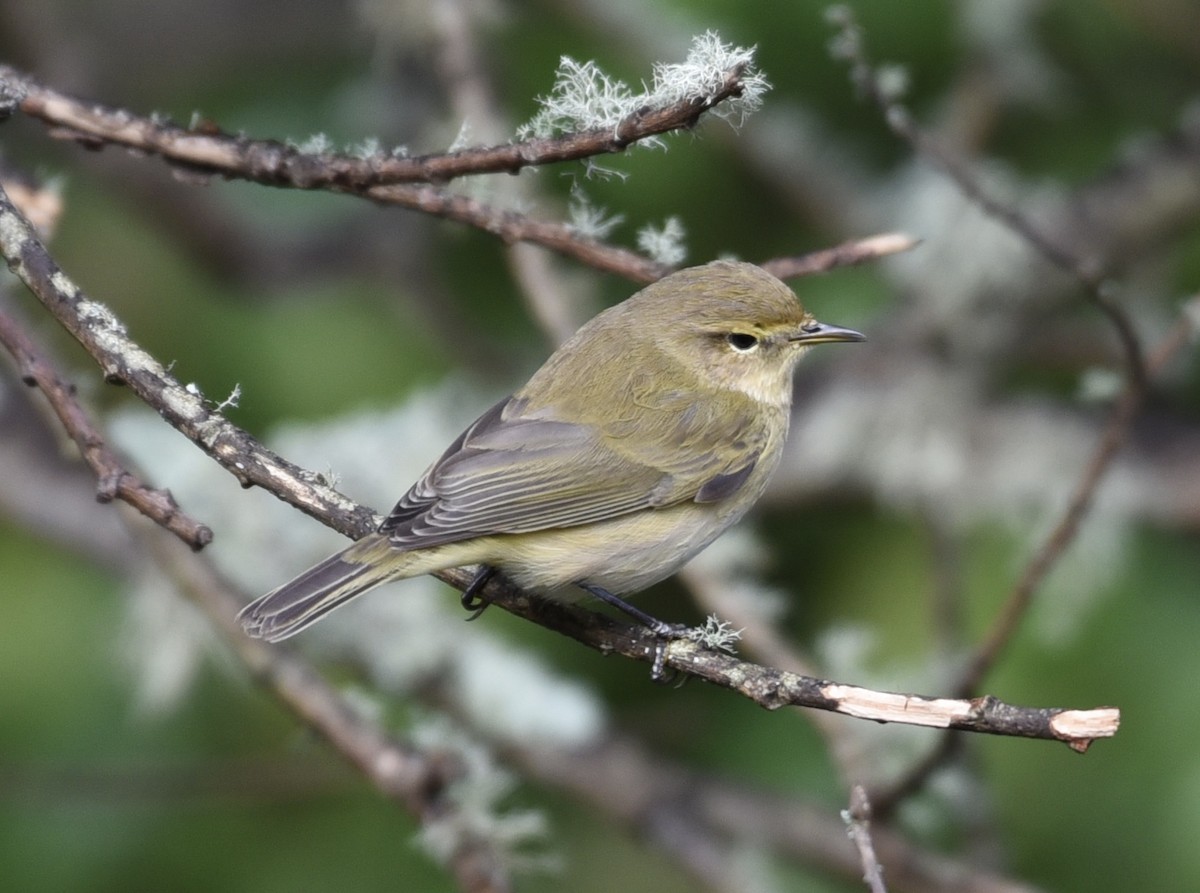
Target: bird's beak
{"type": "Point", "coordinates": [819, 333]}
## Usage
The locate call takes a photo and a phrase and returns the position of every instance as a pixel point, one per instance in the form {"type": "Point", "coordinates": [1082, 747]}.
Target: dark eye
{"type": "Point", "coordinates": [741, 341]}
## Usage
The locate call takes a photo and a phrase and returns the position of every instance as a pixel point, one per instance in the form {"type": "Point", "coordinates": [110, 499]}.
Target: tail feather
{"type": "Point", "coordinates": [295, 605]}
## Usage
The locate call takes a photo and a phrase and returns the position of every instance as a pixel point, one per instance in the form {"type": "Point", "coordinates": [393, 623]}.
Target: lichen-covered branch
{"type": "Point", "coordinates": [184, 407]}
{"type": "Point", "coordinates": [203, 147]}
{"type": "Point", "coordinates": [114, 479]}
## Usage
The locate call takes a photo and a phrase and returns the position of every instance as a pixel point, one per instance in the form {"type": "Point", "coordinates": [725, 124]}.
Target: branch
{"type": "Point", "coordinates": [511, 227]}
{"type": "Point", "coordinates": [852, 47]}
{"type": "Point", "coordinates": [205, 148]}
{"type": "Point", "coordinates": [115, 480]}
{"type": "Point", "coordinates": [847, 254]}
{"type": "Point", "coordinates": [562, 238]}
{"type": "Point", "coordinates": [858, 826]}
{"type": "Point", "coordinates": [1115, 432]}
{"type": "Point", "coordinates": [123, 361]}
{"type": "Point", "coordinates": [772, 688]}
{"type": "Point", "coordinates": [398, 181]}
{"type": "Point", "coordinates": [421, 782]}
{"type": "Point", "coordinates": [105, 338]}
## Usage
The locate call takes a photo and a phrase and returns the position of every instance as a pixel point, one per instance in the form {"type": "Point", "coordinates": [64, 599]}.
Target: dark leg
{"type": "Point", "coordinates": [658, 627]}
{"type": "Point", "coordinates": [663, 630]}
{"type": "Point", "coordinates": [471, 599]}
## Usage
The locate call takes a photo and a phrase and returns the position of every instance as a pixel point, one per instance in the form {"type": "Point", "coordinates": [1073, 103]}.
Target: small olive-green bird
{"type": "Point", "coordinates": [640, 440]}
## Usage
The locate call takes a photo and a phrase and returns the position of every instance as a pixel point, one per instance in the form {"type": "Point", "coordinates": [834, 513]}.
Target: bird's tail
{"type": "Point", "coordinates": [285, 611]}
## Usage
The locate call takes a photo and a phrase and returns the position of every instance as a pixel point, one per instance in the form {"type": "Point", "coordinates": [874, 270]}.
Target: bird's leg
{"type": "Point", "coordinates": [471, 599]}
{"type": "Point", "coordinates": [664, 631]}
{"type": "Point", "coordinates": [660, 628]}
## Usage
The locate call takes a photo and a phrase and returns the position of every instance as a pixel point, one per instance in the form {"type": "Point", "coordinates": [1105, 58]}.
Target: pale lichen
{"type": "Point", "coordinates": [584, 97]}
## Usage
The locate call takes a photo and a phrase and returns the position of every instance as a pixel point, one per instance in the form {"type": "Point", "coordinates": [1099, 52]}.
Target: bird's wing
{"type": "Point", "coordinates": [517, 472]}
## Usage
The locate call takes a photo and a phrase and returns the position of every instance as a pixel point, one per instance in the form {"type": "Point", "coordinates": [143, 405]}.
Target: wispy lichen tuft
{"type": "Point", "coordinates": [663, 244]}
{"type": "Point", "coordinates": [585, 98]}
{"type": "Point", "coordinates": [516, 835]}
{"type": "Point", "coordinates": [589, 221]}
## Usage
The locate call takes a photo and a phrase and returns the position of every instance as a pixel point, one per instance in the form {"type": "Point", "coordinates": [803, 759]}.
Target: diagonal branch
{"type": "Point", "coordinates": [421, 782]}
{"type": "Point", "coordinates": [1113, 437]}
{"type": "Point", "coordinates": [851, 46]}
{"type": "Point", "coordinates": [115, 480]}
{"type": "Point", "coordinates": [123, 361]}
{"type": "Point", "coordinates": [512, 227]}
{"type": "Point", "coordinates": [847, 254]}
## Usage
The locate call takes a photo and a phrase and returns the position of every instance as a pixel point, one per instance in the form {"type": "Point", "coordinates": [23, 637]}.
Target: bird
{"type": "Point", "coordinates": [637, 443]}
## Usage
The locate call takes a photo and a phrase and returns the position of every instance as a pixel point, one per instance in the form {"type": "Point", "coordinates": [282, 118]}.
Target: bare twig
{"type": "Point", "coordinates": [511, 227]}
{"type": "Point", "coordinates": [851, 46]}
{"type": "Point", "coordinates": [116, 481]}
{"type": "Point", "coordinates": [858, 826]}
{"type": "Point", "coordinates": [847, 254]}
{"type": "Point", "coordinates": [1035, 571]}
{"type": "Point", "coordinates": [1009, 617]}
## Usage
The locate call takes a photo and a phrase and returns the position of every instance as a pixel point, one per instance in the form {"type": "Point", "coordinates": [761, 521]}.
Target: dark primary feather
{"type": "Point", "coordinates": [722, 486]}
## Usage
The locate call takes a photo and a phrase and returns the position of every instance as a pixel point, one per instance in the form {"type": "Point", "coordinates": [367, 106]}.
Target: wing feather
{"type": "Point", "coordinates": [517, 471]}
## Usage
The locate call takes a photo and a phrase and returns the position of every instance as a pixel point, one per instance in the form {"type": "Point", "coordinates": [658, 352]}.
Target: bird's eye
{"type": "Point", "coordinates": [742, 341]}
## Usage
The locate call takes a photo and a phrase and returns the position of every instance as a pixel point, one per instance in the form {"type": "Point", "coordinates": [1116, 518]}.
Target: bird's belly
{"type": "Point", "coordinates": [623, 555]}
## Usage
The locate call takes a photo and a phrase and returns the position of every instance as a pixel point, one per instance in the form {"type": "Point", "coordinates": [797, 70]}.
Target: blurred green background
{"type": "Point", "coordinates": [317, 304]}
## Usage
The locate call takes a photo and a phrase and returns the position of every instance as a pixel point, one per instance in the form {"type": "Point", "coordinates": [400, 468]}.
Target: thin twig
{"type": "Point", "coordinates": [847, 254]}
{"type": "Point", "coordinates": [1017, 603]}
{"type": "Point", "coordinates": [858, 826]}
{"type": "Point", "coordinates": [115, 480]}
{"type": "Point", "coordinates": [851, 46]}
{"type": "Point", "coordinates": [1113, 437]}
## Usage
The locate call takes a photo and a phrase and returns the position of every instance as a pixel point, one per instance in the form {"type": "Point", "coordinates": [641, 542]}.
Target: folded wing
{"type": "Point", "coordinates": [513, 471]}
